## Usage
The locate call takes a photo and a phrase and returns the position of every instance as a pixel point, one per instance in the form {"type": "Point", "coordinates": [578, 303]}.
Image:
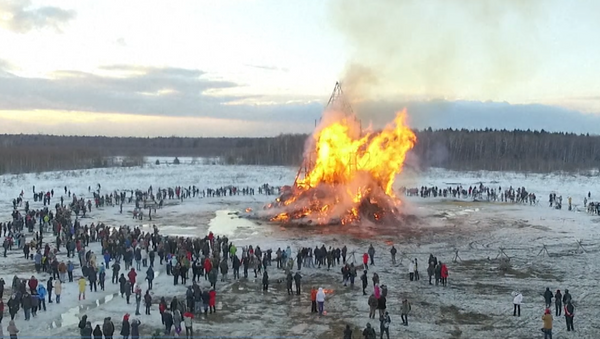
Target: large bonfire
{"type": "Point", "coordinates": [349, 175]}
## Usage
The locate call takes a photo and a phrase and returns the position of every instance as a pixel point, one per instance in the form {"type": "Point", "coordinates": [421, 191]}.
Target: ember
{"type": "Point", "coordinates": [348, 174]}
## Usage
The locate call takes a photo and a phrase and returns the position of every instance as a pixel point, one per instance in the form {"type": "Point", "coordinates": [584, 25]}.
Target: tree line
{"type": "Point", "coordinates": [503, 150]}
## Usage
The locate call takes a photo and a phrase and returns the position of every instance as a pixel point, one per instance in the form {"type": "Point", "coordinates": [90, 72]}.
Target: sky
{"type": "Point", "coordinates": [265, 67]}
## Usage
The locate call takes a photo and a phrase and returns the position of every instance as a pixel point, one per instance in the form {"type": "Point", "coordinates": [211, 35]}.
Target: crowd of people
{"type": "Point", "coordinates": [519, 195]}
{"type": "Point", "coordinates": [133, 257]}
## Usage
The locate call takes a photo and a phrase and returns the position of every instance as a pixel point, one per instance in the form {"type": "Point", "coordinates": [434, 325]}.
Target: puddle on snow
{"type": "Point", "coordinates": [72, 316]}
{"type": "Point", "coordinates": [227, 222]}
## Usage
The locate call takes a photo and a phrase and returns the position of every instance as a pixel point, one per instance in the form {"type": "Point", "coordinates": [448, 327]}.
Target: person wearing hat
{"type": "Point", "coordinates": [547, 328]}
{"type": "Point", "coordinates": [369, 332]}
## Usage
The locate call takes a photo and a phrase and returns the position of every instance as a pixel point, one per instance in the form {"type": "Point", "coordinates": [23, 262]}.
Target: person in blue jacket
{"type": "Point", "coordinates": [41, 291]}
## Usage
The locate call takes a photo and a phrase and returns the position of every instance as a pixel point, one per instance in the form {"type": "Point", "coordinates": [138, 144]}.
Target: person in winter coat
{"type": "Point", "coordinates": [187, 321]}
{"type": "Point", "coordinates": [49, 288]}
{"type": "Point", "coordinates": [58, 290]}
{"type": "Point", "coordinates": [430, 272]}
{"type": "Point", "coordinates": [12, 329]}
{"type": "Point", "coordinates": [384, 327]}
{"type": "Point", "coordinates": [138, 299]}
{"type": "Point", "coordinates": [547, 328]}
{"type": "Point", "coordinates": [444, 274]}
{"type": "Point", "coordinates": [212, 301]}
{"type": "Point", "coordinates": [321, 300]}
{"type": "Point", "coordinates": [313, 300]}
{"type": "Point", "coordinates": [297, 281]}
{"type": "Point", "coordinates": [177, 319]}
{"type": "Point", "coordinates": [265, 281]}
{"type": "Point", "coordinates": [365, 281]}
{"type": "Point", "coordinates": [411, 270]}
{"type": "Point", "coordinates": [548, 297]}
{"type": "Point", "coordinates": [569, 314]}
{"type": "Point", "coordinates": [518, 299]}
{"type": "Point", "coordinates": [381, 305]}
{"type": "Point", "coordinates": [289, 279]}
{"type": "Point", "coordinates": [86, 332]}
{"type": "Point", "coordinates": [125, 328]}
{"type": "Point", "coordinates": [168, 318]}
{"type": "Point", "coordinates": [369, 332]}
{"type": "Point", "coordinates": [108, 328]}
{"type": "Point", "coordinates": [404, 311]}
{"type": "Point", "coordinates": [150, 277]}
{"type": "Point", "coordinates": [135, 329]}
{"type": "Point", "coordinates": [377, 291]}
{"type": "Point", "coordinates": [366, 261]}
{"type": "Point", "coordinates": [132, 275]}
{"type": "Point", "coordinates": [372, 306]}
{"type": "Point", "coordinates": [558, 303]}
{"type": "Point", "coordinates": [147, 302]}
{"type": "Point", "coordinates": [347, 332]}
{"type": "Point", "coordinates": [127, 291]}
{"type": "Point", "coordinates": [41, 294]}
{"type": "Point", "coordinates": [81, 283]}
{"type": "Point", "coordinates": [566, 297]}
{"type": "Point", "coordinates": [97, 333]}
{"type": "Point", "coordinates": [26, 302]}
{"type": "Point", "coordinates": [82, 323]}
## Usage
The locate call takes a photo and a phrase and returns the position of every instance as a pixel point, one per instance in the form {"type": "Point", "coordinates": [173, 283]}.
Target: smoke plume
{"type": "Point", "coordinates": [414, 50]}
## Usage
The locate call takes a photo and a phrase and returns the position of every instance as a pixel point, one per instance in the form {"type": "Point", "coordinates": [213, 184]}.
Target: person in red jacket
{"type": "Point", "coordinates": [212, 301]}
{"type": "Point", "coordinates": [132, 276]}
{"type": "Point", "coordinates": [33, 283]}
{"type": "Point", "coordinates": [1, 310]}
{"type": "Point", "coordinates": [444, 275]}
{"type": "Point", "coordinates": [366, 260]}
{"type": "Point", "coordinates": [207, 267]}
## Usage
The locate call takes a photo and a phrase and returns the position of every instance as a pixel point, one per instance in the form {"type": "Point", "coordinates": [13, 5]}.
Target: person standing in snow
{"type": "Point", "coordinates": [135, 329]}
{"type": "Point", "coordinates": [384, 321]}
{"type": "Point", "coordinates": [548, 297]}
{"type": "Point", "coordinates": [404, 311]}
{"type": "Point", "coordinates": [393, 252]}
{"type": "Point", "coordinates": [321, 300]}
{"type": "Point", "coordinates": [569, 315]}
{"type": "Point", "coordinates": [547, 328]}
{"type": "Point", "coordinates": [518, 299]}
{"type": "Point", "coordinates": [138, 299]}
{"type": "Point", "coordinates": [12, 329]}
{"type": "Point", "coordinates": [411, 270]}
{"type": "Point", "coordinates": [97, 333]}
{"type": "Point", "coordinates": [365, 281]}
{"type": "Point", "coordinates": [347, 332]}
{"type": "Point", "coordinates": [187, 321]}
{"type": "Point", "coordinates": [81, 283]}
{"type": "Point", "coordinates": [558, 303]}
{"type": "Point", "coordinates": [125, 328]}
{"type": "Point", "coordinates": [369, 332]}
{"type": "Point", "coordinates": [371, 252]}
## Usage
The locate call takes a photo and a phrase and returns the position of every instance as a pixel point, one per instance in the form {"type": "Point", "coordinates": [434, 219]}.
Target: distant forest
{"type": "Point", "coordinates": [533, 151]}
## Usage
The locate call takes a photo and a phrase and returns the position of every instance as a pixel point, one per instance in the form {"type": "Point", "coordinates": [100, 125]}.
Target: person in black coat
{"type": "Point", "coordinates": [125, 329]}
{"type": "Point", "coordinates": [97, 332]}
{"type": "Point", "coordinates": [265, 281]}
{"type": "Point", "coordinates": [548, 297]}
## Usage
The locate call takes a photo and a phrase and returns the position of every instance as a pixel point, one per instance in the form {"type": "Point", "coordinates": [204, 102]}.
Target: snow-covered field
{"type": "Point", "coordinates": [476, 304]}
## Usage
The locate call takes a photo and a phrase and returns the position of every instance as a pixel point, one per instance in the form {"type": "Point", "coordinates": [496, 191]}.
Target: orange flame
{"type": "Point", "coordinates": [348, 171]}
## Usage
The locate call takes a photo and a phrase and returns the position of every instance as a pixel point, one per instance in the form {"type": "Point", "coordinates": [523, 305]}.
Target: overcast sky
{"type": "Point", "coordinates": [260, 68]}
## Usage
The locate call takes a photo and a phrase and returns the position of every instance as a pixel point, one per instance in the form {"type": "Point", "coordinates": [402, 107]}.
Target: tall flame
{"type": "Point", "coordinates": [349, 171]}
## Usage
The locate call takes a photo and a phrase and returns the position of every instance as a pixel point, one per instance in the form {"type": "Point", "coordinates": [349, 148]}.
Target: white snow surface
{"type": "Point", "coordinates": [476, 304]}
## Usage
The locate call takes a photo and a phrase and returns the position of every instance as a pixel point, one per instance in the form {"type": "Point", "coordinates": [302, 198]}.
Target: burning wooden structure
{"type": "Point", "coordinates": [347, 173]}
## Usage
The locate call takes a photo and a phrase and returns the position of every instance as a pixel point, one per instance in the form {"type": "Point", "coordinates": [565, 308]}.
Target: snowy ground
{"type": "Point", "coordinates": [476, 304]}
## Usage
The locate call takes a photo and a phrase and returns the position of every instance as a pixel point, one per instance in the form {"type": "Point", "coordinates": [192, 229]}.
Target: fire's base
{"type": "Point", "coordinates": [320, 207]}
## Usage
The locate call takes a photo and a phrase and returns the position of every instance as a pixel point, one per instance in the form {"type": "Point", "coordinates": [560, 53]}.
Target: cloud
{"type": "Point", "coordinates": [440, 114]}
{"type": "Point", "coordinates": [20, 16]}
{"type": "Point", "coordinates": [149, 91]}
{"type": "Point", "coordinates": [268, 68]}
